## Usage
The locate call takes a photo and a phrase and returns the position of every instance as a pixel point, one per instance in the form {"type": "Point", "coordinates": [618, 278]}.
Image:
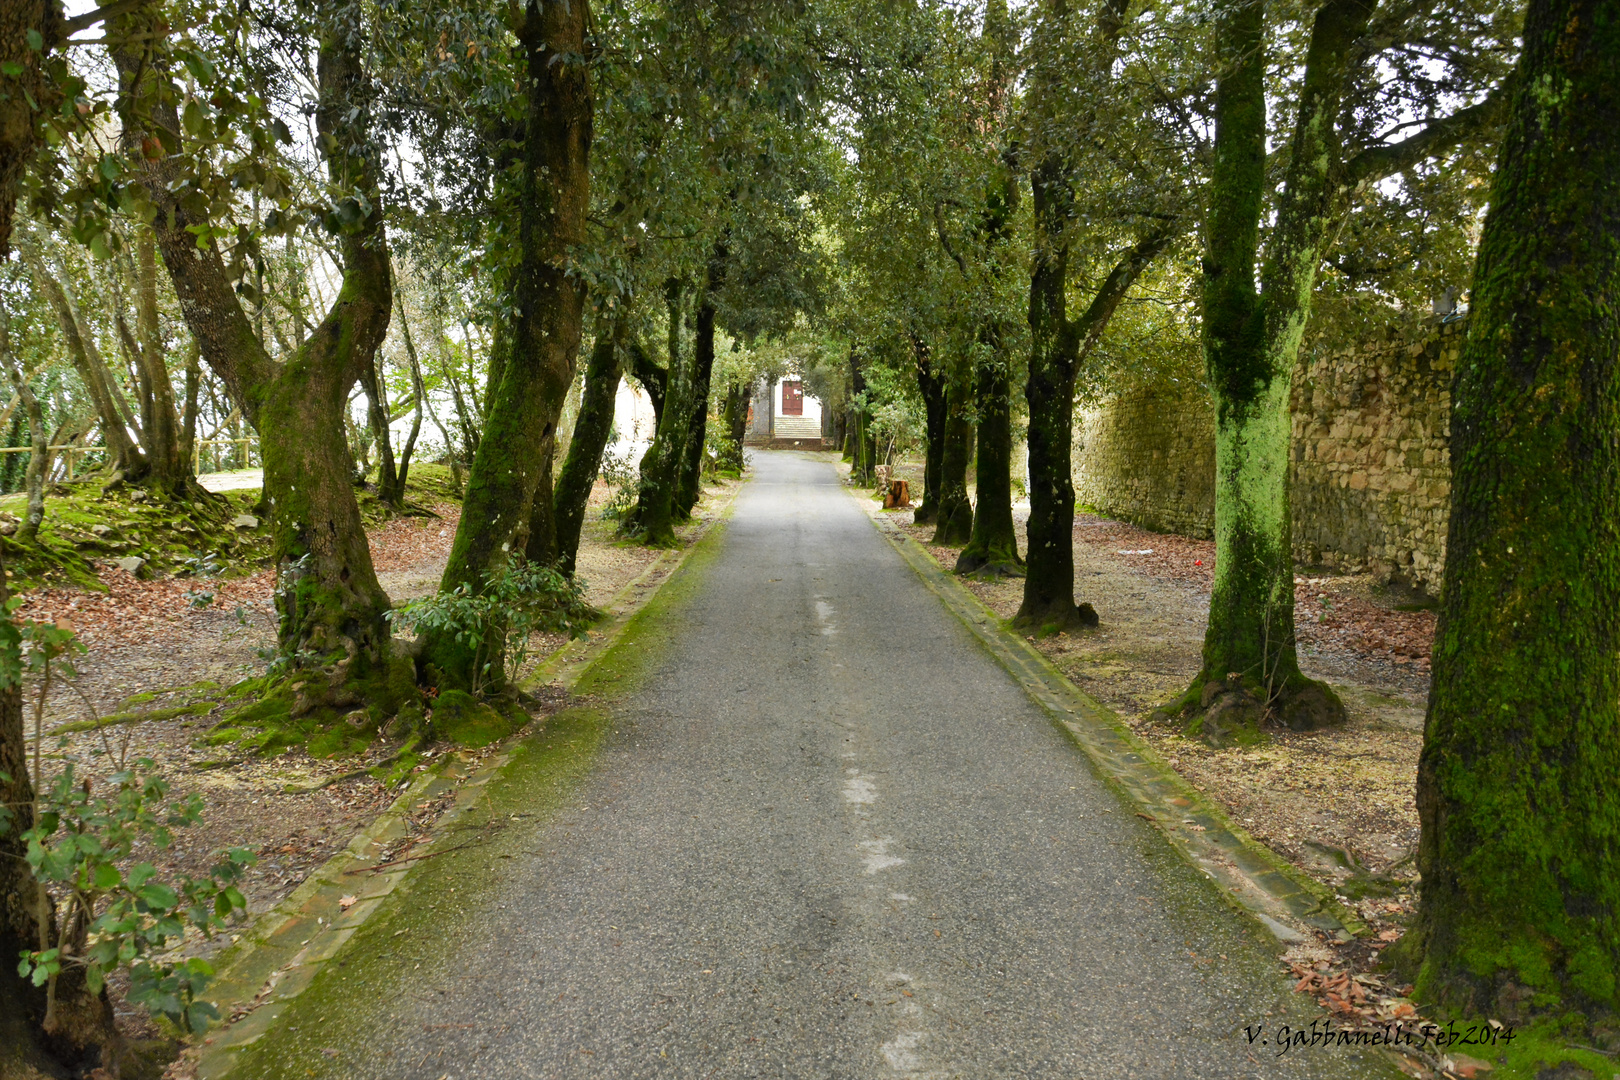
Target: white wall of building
{"type": "Point", "coordinates": [812, 405]}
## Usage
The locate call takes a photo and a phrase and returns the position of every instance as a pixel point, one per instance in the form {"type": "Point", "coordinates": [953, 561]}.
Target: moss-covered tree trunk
{"type": "Point", "coordinates": [168, 465]}
{"type": "Point", "coordinates": [931, 385]}
{"type": "Point", "coordinates": [329, 602]}
{"type": "Point", "coordinates": [591, 431]}
{"type": "Point", "coordinates": [124, 458]}
{"type": "Point", "coordinates": [1251, 346]}
{"type": "Point", "coordinates": [544, 332]}
{"type": "Point", "coordinates": [1520, 850]}
{"type": "Point", "coordinates": [653, 518]}
{"type": "Point", "coordinates": [39, 454]}
{"type": "Point", "coordinates": [690, 485]}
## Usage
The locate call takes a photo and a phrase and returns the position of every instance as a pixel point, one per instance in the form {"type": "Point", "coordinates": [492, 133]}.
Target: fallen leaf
{"type": "Point", "coordinates": [347, 902]}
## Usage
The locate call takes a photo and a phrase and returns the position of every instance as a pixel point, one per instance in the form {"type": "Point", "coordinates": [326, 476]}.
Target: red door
{"type": "Point", "coordinates": [792, 399]}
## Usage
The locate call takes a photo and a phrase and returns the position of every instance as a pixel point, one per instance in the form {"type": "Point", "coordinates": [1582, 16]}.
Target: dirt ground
{"type": "Point", "coordinates": [1339, 804]}
{"type": "Point", "coordinates": [157, 664]}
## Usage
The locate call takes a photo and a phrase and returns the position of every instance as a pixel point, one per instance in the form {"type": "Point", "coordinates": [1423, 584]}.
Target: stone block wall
{"type": "Point", "coordinates": [1371, 467]}
{"type": "Point", "coordinates": [1148, 457]}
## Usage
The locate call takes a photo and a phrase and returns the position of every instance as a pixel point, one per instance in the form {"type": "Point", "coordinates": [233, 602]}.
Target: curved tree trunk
{"type": "Point", "coordinates": [1516, 784]}
{"type": "Point", "coordinates": [653, 379]}
{"type": "Point", "coordinates": [330, 604]}
{"type": "Point", "coordinates": [124, 458]}
{"type": "Point", "coordinates": [591, 431]}
{"type": "Point", "coordinates": [654, 515]}
{"type": "Point", "coordinates": [553, 197]}
{"type": "Point", "coordinates": [690, 488]}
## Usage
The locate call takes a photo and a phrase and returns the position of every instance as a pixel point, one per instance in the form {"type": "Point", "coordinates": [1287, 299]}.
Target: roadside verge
{"type": "Point", "coordinates": [279, 956]}
{"type": "Point", "coordinates": [1254, 878]}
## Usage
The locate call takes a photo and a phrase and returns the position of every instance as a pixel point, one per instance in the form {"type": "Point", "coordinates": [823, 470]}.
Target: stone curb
{"type": "Point", "coordinates": [279, 955]}
{"type": "Point", "coordinates": [1252, 876]}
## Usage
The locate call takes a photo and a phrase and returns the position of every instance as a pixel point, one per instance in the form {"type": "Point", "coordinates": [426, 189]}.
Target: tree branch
{"type": "Point", "coordinates": [1377, 162]}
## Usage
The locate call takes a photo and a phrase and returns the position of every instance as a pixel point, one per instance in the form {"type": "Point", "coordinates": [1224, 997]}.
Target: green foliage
{"type": "Point", "coordinates": [722, 455]}
{"type": "Point", "coordinates": [495, 622]}
{"type": "Point", "coordinates": [619, 472]}
{"type": "Point", "coordinates": [82, 848]}
{"type": "Point", "coordinates": [114, 913]}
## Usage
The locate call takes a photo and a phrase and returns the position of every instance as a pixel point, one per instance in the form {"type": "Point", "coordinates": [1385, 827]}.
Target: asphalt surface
{"type": "Point", "coordinates": [829, 838]}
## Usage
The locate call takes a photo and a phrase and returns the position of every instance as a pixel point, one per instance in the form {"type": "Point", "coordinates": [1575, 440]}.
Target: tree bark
{"type": "Point", "coordinates": [553, 197]}
{"type": "Point", "coordinates": [39, 456]}
{"type": "Point", "coordinates": [931, 384]}
{"type": "Point", "coordinates": [590, 439]}
{"type": "Point", "coordinates": [389, 490]}
{"type": "Point", "coordinates": [125, 460]}
{"type": "Point", "coordinates": [160, 423]}
{"type": "Point", "coordinates": [690, 486]}
{"type": "Point", "coordinates": [331, 605]}
{"type": "Point", "coordinates": [654, 515]}
{"type": "Point", "coordinates": [1516, 784]}
{"type": "Point", "coordinates": [992, 547]}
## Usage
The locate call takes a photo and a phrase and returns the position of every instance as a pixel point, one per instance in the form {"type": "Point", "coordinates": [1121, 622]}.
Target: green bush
{"type": "Point", "coordinates": [496, 621]}
{"type": "Point", "coordinates": [112, 913]}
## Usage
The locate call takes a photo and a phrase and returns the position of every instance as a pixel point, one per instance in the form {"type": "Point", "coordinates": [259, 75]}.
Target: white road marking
{"type": "Point", "coordinates": [900, 1052]}
{"type": "Point", "coordinates": [859, 790]}
{"type": "Point", "coordinates": [877, 855]}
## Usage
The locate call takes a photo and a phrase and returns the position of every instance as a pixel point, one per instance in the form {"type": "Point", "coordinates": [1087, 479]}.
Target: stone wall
{"type": "Point", "coordinates": [1371, 468]}
{"type": "Point", "coordinates": [1148, 457]}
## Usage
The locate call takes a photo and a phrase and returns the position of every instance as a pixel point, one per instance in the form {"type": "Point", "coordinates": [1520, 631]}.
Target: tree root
{"type": "Point", "coordinates": [1231, 711]}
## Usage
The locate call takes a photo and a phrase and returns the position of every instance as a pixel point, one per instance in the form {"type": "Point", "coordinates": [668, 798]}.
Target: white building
{"type": "Point", "coordinates": [792, 414]}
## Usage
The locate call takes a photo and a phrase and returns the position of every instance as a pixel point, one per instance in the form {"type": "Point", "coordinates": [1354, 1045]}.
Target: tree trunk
{"type": "Point", "coordinates": [170, 465]}
{"type": "Point", "coordinates": [1516, 784]}
{"type": "Point", "coordinates": [653, 379]}
{"type": "Point", "coordinates": [39, 456]}
{"type": "Point", "coordinates": [862, 446]}
{"type": "Point", "coordinates": [330, 603]}
{"type": "Point", "coordinates": [389, 491]}
{"type": "Point", "coordinates": [25, 94]}
{"type": "Point", "coordinates": [1250, 665]}
{"type": "Point", "coordinates": [590, 439]}
{"type": "Point", "coordinates": [690, 486]}
{"type": "Point", "coordinates": [1058, 346]}
{"type": "Point", "coordinates": [992, 547]}
{"type": "Point", "coordinates": [75, 1031]}
{"type": "Point", "coordinates": [419, 397]}
{"type": "Point", "coordinates": [654, 514]}
{"type": "Point", "coordinates": [553, 197]}
{"type": "Point", "coordinates": [954, 517]}
{"type": "Point", "coordinates": [931, 383]}
{"type": "Point", "coordinates": [540, 538]}
{"type": "Point", "coordinates": [125, 460]}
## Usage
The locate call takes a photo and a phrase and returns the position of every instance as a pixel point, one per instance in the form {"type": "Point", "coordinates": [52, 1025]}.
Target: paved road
{"type": "Point", "coordinates": [829, 838]}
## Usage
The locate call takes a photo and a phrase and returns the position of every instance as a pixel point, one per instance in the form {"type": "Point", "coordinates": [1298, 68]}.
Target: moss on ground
{"type": "Point", "coordinates": [87, 523]}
